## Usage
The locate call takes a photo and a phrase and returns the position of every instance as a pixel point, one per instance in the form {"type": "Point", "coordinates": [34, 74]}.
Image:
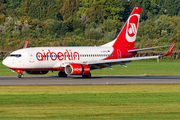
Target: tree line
{"type": "Point", "coordinates": [85, 22]}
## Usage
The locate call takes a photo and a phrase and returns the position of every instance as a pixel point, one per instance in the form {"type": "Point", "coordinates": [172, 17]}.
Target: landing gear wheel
{"type": "Point", "coordinates": [87, 75]}
{"type": "Point", "coordinates": [20, 75]}
{"type": "Point", "coordinates": [62, 74]}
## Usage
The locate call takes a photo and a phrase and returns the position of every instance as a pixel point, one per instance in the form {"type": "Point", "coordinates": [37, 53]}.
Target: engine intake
{"type": "Point", "coordinates": [37, 72]}
{"type": "Point", "coordinates": [77, 69]}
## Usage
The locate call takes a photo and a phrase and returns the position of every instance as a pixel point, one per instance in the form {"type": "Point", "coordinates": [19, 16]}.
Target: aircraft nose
{"type": "Point", "coordinates": [5, 62]}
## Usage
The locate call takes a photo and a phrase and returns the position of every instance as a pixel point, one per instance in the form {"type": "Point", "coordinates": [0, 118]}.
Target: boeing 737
{"type": "Point", "coordinates": [81, 60]}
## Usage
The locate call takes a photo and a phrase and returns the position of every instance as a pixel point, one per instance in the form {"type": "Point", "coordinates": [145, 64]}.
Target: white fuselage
{"type": "Point", "coordinates": [54, 57]}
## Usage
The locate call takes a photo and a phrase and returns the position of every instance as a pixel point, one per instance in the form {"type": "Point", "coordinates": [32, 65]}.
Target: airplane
{"type": "Point", "coordinates": [81, 60]}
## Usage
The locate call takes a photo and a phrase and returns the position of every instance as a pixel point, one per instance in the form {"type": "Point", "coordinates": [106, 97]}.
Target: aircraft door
{"type": "Point", "coordinates": [118, 54]}
{"type": "Point", "coordinates": [31, 56]}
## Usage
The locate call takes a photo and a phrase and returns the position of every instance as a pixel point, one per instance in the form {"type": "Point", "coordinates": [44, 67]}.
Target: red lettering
{"type": "Point", "coordinates": [60, 54]}
{"type": "Point", "coordinates": [67, 52]}
{"type": "Point", "coordinates": [71, 55]}
{"type": "Point", "coordinates": [38, 56]}
{"type": "Point", "coordinates": [44, 55]}
{"type": "Point", "coordinates": [54, 56]}
{"type": "Point", "coordinates": [48, 53]}
{"type": "Point", "coordinates": [75, 55]}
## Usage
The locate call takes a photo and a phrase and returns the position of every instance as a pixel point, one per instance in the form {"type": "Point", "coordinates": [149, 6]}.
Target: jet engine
{"type": "Point", "coordinates": [77, 69]}
{"type": "Point", "coordinates": [37, 72]}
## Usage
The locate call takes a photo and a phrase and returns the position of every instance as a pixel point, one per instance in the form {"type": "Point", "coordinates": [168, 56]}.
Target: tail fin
{"type": "Point", "coordinates": [127, 36]}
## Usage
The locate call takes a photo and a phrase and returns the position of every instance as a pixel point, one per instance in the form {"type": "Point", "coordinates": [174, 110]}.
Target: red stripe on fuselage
{"type": "Point", "coordinates": [39, 69]}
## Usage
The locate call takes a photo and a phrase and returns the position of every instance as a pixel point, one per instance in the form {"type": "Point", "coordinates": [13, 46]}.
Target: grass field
{"type": "Point", "coordinates": [99, 102]}
{"type": "Point", "coordinates": [134, 68]}
{"type": "Point", "coordinates": [137, 102]}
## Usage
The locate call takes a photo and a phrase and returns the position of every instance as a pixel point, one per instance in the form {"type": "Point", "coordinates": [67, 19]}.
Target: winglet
{"type": "Point", "coordinates": [26, 44]}
{"type": "Point", "coordinates": [170, 49]}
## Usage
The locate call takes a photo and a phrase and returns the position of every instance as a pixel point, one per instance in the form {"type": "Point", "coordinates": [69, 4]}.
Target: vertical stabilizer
{"type": "Point", "coordinates": [127, 36]}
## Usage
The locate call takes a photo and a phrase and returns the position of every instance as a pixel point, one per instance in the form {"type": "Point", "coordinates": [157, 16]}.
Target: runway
{"type": "Point", "coordinates": [95, 80]}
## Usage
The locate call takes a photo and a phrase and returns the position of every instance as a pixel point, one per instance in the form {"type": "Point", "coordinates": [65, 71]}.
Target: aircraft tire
{"type": "Point", "coordinates": [20, 76]}
{"type": "Point", "coordinates": [87, 75]}
{"type": "Point", "coordinates": [62, 74]}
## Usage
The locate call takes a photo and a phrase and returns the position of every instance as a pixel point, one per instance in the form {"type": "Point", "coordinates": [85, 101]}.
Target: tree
{"type": "Point", "coordinates": [170, 7]}
{"type": "Point", "coordinates": [70, 8]}
{"type": "Point", "coordinates": [25, 6]}
{"type": "Point", "coordinates": [58, 27]}
{"type": "Point", "coordinates": [110, 25]}
{"type": "Point", "coordinates": [114, 8]}
{"type": "Point", "coordinates": [128, 5]}
{"type": "Point", "coordinates": [53, 10]}
{"type": "Point", "coordinates": [94, 33]}
{"type": "Point", "coordinates": [86, 3]}
{"type": "Point", "coordinates": [41, 9]}
{"type": "Point", "coordinates": [3, 6]}
{"type": "Point", "coordinates": [13, 4]}
{"type": "Point", "coordinates": [163, 23]}
{"type": "Point", "coordinates": [2, 18]}
{"type": "Point", "coordinates": [96, 13]}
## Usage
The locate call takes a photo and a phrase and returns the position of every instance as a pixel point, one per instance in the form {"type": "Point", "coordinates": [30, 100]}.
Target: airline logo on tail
{"type": "Point", "coordinates": [127, 36]}
{"type": "Point", "coordinates": [131, 29]}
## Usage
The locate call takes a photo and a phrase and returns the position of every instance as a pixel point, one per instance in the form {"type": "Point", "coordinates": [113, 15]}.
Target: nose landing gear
{"type": "Point", "coordinates": [20, 75]}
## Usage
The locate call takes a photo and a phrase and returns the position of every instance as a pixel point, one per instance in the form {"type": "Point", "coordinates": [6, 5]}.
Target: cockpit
{"type": "Point", "coordinates": [15, 55]}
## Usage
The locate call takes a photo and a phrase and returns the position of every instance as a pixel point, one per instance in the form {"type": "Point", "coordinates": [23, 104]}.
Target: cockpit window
{"type": "Point", "coordinates": [15, 55]}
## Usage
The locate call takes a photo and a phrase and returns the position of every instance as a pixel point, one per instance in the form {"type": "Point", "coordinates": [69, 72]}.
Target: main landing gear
{"type": "Point", "coordinates": [62, 74]}
{"type": "Point", "coordinates": [87, 75]}
{"type": "Point", "coordinates": [20, 75]}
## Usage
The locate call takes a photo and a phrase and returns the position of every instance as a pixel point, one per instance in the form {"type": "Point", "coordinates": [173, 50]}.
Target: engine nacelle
{"type": "Point", "coordinates": [37, 72]}
{"type": "Point", "coordinates": [77, 69]}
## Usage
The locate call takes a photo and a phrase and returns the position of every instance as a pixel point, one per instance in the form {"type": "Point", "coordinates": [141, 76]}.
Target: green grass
{"type": "Point", "coordinates": [134, 68]}
{"type": "Point", "coordinates": [90, 102]}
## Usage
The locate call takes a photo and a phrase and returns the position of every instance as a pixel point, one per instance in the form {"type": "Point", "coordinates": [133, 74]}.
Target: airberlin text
{"type": "Point", "coordinates": [68, 54]}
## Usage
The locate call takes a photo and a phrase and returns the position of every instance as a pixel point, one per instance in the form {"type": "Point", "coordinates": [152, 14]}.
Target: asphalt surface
{"type": "Point", "coordinates": [99, 80]}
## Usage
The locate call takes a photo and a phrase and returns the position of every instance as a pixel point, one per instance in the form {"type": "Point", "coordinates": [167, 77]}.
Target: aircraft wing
{"type": "Point", "coordinates": [170, 49]}
{"type": "Point", "coordinates": [108, 63]}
